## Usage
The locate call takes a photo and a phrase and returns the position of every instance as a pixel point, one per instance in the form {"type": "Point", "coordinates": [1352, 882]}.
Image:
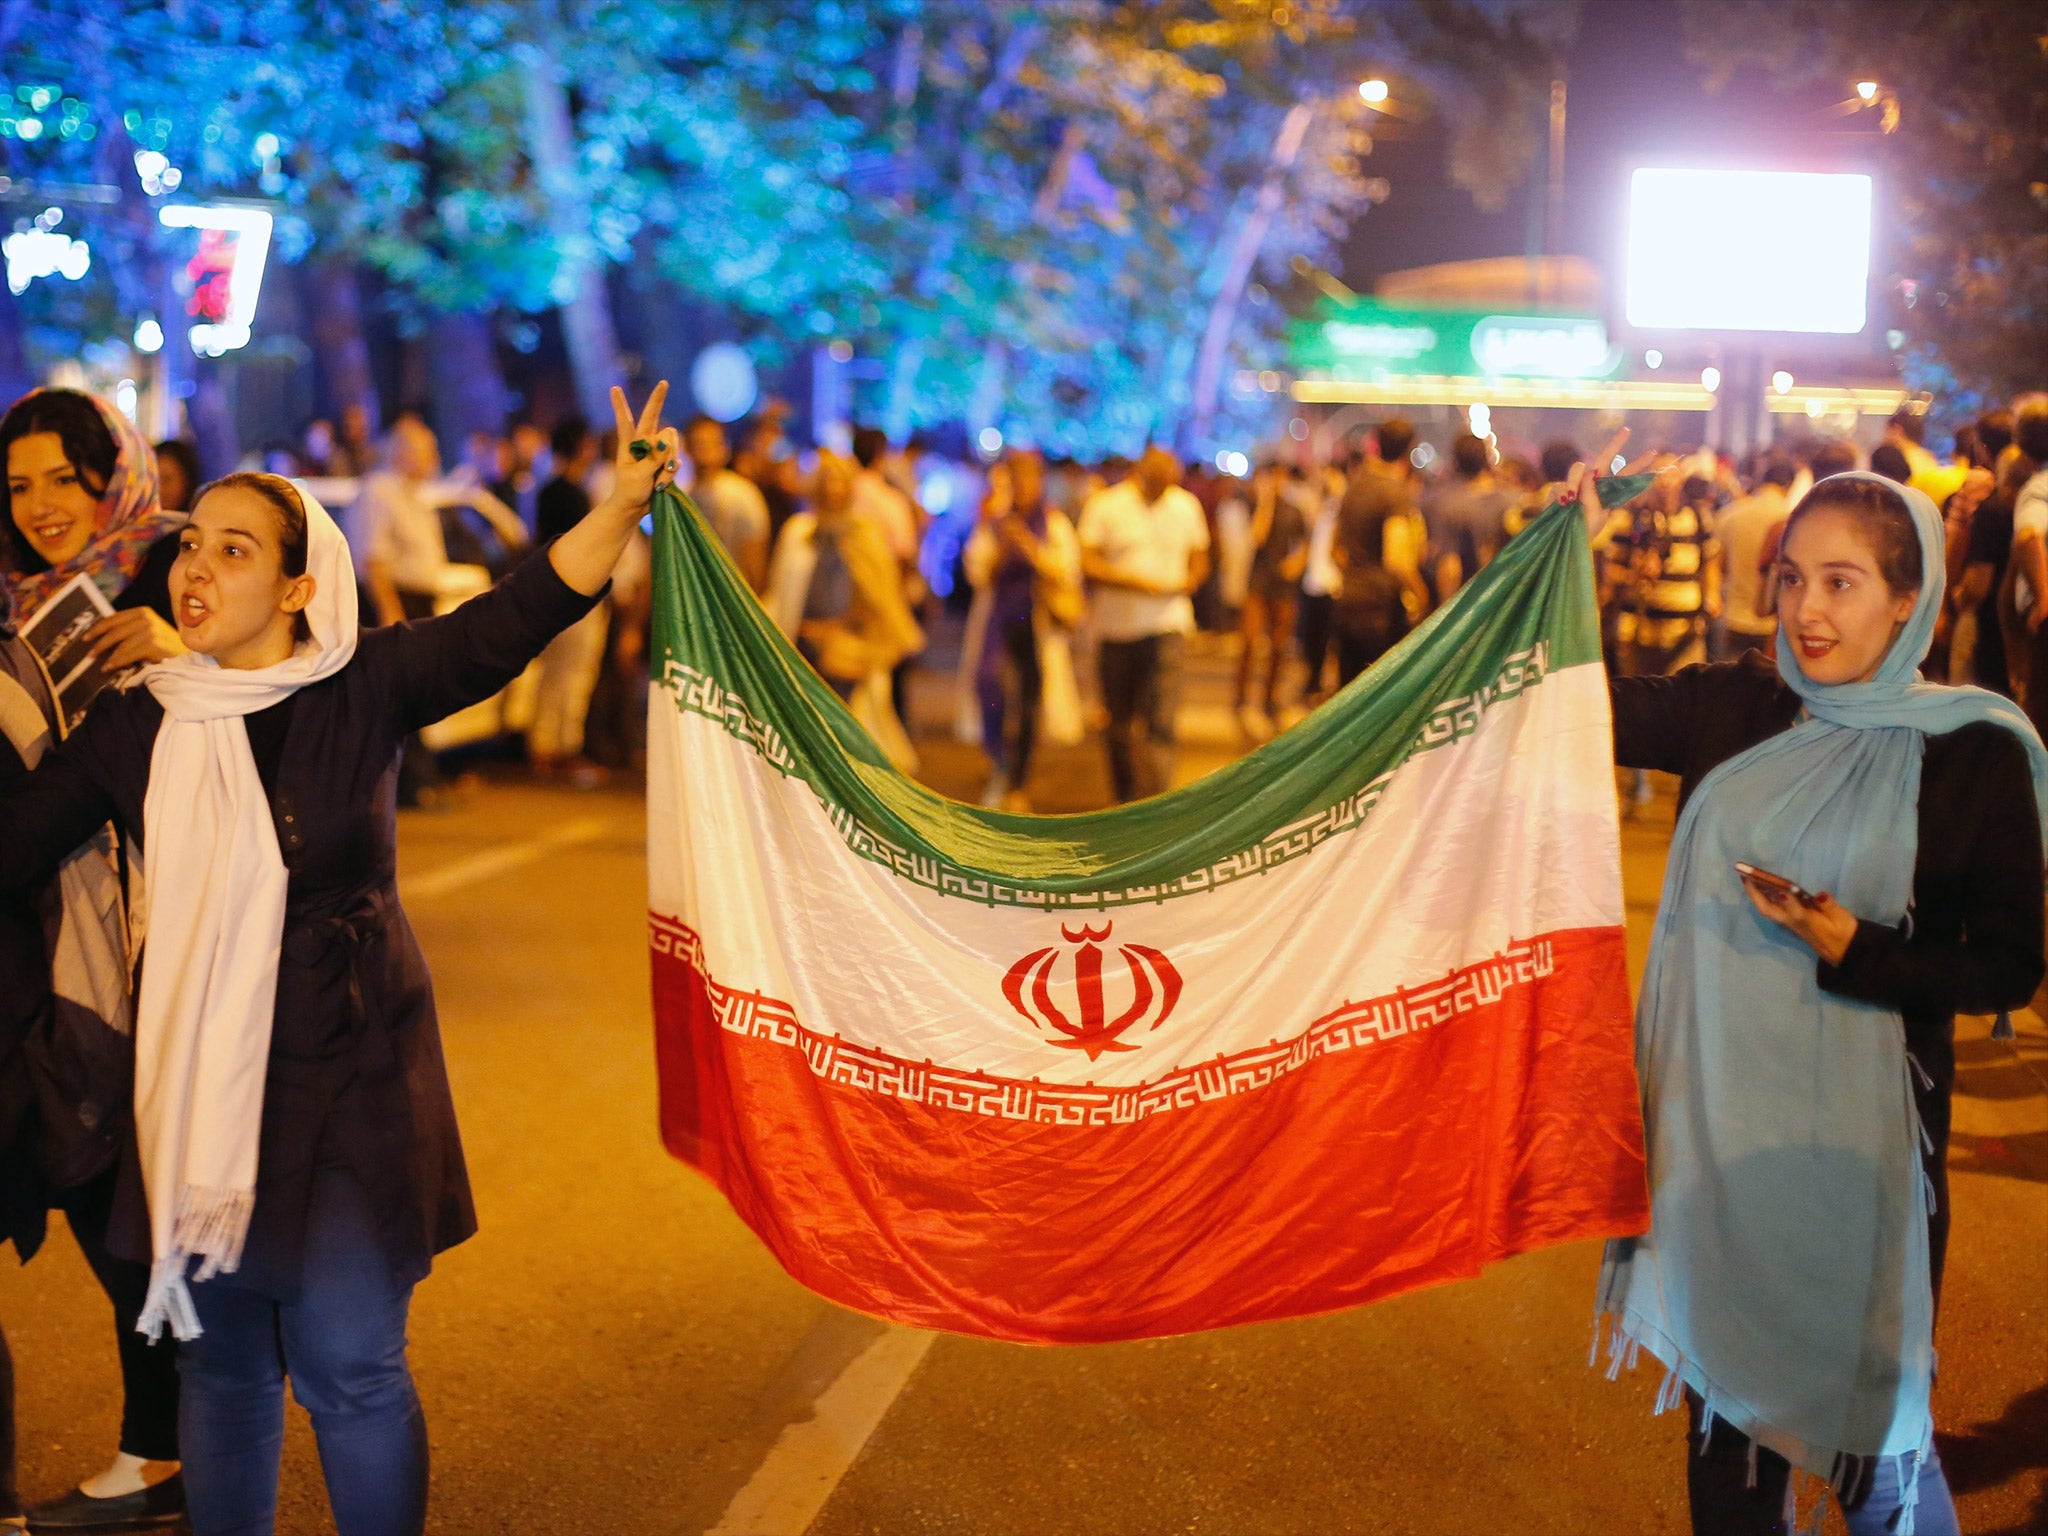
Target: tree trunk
{"type": "Point", "coordinates": [1223, 312]}
{"type": "Point", "coordinates": [16, 378]}
{"type": "Point", "coordinates": [463, 378]}
{"type": "Point", "coordinates": [340, 349]}
{"type": "Point", "coordinates": [587, 312]}
{"type": "Point", "coordinates": [901, 400]}
{"type": "Point", "coordinates": [211, 413]}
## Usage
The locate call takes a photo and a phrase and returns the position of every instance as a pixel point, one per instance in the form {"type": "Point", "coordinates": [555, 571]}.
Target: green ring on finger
{"type": "Point", "coordinates": [640, 448]}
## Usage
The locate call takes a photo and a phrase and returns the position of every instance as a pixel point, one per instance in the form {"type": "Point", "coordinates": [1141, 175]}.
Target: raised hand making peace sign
{"type": "Point", "coordinates": [647, 458]}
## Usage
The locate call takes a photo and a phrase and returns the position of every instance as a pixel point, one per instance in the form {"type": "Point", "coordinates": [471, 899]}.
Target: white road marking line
{"type": "Point", "coordinates": [497, 861]}
{"type": "Point", "coordinates": [798, 1475]}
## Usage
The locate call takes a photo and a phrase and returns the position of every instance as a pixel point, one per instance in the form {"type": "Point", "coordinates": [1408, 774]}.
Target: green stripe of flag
{"type": "Point", "coordinates": [717, 654]}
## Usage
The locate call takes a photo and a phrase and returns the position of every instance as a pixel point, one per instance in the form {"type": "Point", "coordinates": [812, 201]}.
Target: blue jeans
{"type": "Point", "coordinates": [342, 1343]}
{"type": "Point", "coordinates": [1725, 1502]}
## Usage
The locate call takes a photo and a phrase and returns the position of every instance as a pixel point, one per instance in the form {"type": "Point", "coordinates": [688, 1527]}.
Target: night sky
{"type": "Point", "coordinates": [1634, 96]}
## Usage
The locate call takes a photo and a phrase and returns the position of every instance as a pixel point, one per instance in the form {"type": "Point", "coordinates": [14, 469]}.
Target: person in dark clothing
{"type": "Point", "coordinates": [1281, 509]}
{"type": "Point", "coordinates": [359, 1178]}
{"type": "Point", "coordinates": [1982, 589]}
{"type": "Point", "coordinates": [1856, 581]}
{"type": "Point", "coordinates": [1382, 590]}
{"type": "Point", "coordinates": [81, 499]}
{"type": "Point", "coordinates": [563, 501]}
{"type": "Point", "coordinates": [569, 667]}
{"type": "Point", "coordinates": [177, 471]}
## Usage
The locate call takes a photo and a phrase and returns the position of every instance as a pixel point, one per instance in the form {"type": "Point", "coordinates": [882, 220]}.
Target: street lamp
{"type": "Point", "coordinates": [1781, 381]}
{"type": "Point", "coordinates": [1372, 92]}
{"type": "Point", "coordinates": [1710, 379]}
{"type": "Point", "coordinates": [1867, 89]}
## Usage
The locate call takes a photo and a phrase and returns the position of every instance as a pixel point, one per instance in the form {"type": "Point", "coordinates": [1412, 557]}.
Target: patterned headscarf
{"type": "Point", "coordinates": [130, 521]}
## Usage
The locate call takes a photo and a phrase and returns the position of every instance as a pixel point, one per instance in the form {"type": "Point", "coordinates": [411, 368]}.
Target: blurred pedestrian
{"type": "Point", "coordinates": [1378, 547]}
{"type": "Point", "coordinates": [1321, 580]}
{"type": "Point", "coordinates": [313, 1187]}
{"type": "Point", "coordinates": [406, 559]}
{"type": "Point", "coordinates": [1889, 460]}
{"type": "Point", "coordinates": [732, 504]}
{"type": "Point", "coordinates": [1145, 548]}
{"type": "Point", "coordinates": [1743, 528]}
{"type": "Point", "coordinates": [177, 474]}
{"type": "Point", "coordinates": [355, 448]}
{"type": "Point", "coordinates": [1466, 514]}
{"type": "Point", "coordinates": [1982, 586]}
{"type": "Point", "coordinates": [1230, 541]}
{"type": "Point", "coordinates": [406, 565]}
{"type": "Point", "coordinates": [1279, 556]}
{"type": "Point", "coordinates": [902, 525]}
{"type": "Point", "coordinates": [569, 666]}
{"type": "Point", "coordinates": [766, 458]}
{"type": "Point", "coordinates": [835, 589]}
{"type": "Point", "coordinates": [486, 461]}
{"type": "Point", "coordinates": [81, 499]}
{"type": "Point", "coordinates": [1673, 577]}
{"type": "Point", "coordinates": [316, 447]}
{"type": "Point", "coordinates": [1025, 555]}
{"type": "Point", "coordinates": [526, 471]}
{"type": "Point", "coordinates": [2028, 661]}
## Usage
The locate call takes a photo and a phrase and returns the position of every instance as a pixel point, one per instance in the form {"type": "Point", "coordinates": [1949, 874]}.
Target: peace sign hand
{"type": "Point", "coordinates": [648, 451]}
{"type": "Point", "coordinates": [1584, 484]}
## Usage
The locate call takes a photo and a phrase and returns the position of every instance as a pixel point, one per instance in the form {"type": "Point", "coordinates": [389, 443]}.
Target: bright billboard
{"type": "Point", "coordinates": [1748, 250]}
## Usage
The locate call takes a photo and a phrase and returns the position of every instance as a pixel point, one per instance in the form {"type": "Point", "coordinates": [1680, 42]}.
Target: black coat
{"type": "Point", "coordinates": [25, 966]}
{"type": "Point", "coordinates": [24, 990]}
{"type": "Point", "coordinates": [356, 1076]}
{"type": "Point", "coordinates": [1974, 944]}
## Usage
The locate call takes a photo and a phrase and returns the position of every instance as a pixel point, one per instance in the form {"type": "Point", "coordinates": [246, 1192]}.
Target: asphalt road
{"type": "Point", "coordinates": [615, 1353]}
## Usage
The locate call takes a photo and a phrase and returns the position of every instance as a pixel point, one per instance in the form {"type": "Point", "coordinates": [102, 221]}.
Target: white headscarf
{"type": "Point", "coordinates": [215, 904]}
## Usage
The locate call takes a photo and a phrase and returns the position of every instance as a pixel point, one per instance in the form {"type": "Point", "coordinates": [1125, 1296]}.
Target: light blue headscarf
{"type": "Point", "coordinates": [1785, 1278]}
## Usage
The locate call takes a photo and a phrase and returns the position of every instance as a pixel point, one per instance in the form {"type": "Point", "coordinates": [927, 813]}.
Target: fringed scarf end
{"type": "Point", "coordinates": [212, 1225]}
{"type": "Point", "coordinates": [169, 1302]}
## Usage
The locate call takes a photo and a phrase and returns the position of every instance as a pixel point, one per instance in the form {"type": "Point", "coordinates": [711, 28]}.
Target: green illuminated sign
{"type": "Point", "coordinates": [1367, 341]}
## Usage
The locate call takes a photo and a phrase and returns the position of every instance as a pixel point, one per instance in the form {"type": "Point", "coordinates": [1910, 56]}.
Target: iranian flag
{"type": "Point", "coordinates": [1347, 1017]}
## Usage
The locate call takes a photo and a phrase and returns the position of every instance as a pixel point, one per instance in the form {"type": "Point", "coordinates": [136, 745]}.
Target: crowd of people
{"type": "Point", "coordinates": [287, 669]}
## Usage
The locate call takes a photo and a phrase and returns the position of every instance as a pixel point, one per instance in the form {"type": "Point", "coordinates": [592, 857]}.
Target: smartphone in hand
{"type": "Point", "coordinates": [1777, 887]}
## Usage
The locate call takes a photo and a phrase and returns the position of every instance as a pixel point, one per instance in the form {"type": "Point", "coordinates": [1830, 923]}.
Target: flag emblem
{"type": "Point", "coordinates": [1155, 985]}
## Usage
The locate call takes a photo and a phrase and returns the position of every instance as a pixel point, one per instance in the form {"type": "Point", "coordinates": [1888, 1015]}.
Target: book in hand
{"type": "Point", "coordinates": [57, 632]}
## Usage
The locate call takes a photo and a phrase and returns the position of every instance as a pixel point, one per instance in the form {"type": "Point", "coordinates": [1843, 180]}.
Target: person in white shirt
{"type": "Point", "coordinates": [901, 521]}
{"type": "Point", "coordinates": [732, 504]}
{"type": "Point", "coordinates": [398, 525]}
{"type": "Point", "coordinates": [404, 553]}
{"type": "Point", "coordinates": [882, 503]}
{"type": "Point", "coordinates": [1743, 527]}
{"type": "Point", "coordinates": [1320, 584]}
{"type": "Point", "coordinates": [1145, 546]}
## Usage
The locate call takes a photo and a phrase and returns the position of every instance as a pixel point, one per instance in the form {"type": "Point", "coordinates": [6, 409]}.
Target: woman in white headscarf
{"type": "Point", "coordinates": [295, 1165]}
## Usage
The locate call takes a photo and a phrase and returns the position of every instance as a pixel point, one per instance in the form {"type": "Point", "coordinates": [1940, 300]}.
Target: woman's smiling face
{"type": "Point", "coordinates": [54, 509]}
{"type": "Point", "coordinates": [1835, 609]}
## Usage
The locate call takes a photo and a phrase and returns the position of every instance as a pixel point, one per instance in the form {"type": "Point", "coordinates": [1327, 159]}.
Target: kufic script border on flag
{"type": "Point", "coordinates": [1354, 1025]}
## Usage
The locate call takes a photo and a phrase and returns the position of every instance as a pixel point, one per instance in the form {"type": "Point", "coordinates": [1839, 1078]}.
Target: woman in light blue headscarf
{"type": "Point", "coordinates": [1796, 1050]}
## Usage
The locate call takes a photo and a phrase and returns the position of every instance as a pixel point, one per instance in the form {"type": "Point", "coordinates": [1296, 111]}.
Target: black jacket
{"type": "Point", "coordinates": [25, 967]}
{"type": "Point", "coordinates": [356, 1075]}
{"type": "Point", "coordinates": [1975, 940]}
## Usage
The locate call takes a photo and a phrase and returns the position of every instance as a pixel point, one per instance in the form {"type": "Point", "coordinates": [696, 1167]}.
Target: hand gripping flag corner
{"type": "Point", "coordinates": [1345, 1018]}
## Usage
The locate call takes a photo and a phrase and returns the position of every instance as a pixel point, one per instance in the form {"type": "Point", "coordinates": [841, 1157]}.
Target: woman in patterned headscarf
{"type": "Point", "coordinates": [80, 498]}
